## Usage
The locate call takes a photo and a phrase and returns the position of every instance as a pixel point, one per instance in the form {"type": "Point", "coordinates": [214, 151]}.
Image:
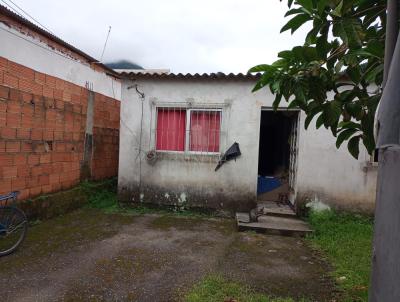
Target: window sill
{"type": "Point", "coordinates": [188, 156]}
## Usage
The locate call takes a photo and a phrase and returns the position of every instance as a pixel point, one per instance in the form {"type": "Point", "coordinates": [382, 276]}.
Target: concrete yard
{"type": "Point", "coordinates": [89, 255]}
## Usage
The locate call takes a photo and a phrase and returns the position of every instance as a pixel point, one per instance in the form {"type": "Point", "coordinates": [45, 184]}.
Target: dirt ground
{"type": "Point", "coordinates": [88, 255]}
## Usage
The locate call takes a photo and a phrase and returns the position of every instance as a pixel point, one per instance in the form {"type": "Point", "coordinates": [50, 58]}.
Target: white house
{"type": "Point", "coordinates": [175, 128]}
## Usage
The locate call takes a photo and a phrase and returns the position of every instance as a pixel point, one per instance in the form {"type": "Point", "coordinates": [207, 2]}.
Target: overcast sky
{"type": "Point", "coordinates": [182, 35]}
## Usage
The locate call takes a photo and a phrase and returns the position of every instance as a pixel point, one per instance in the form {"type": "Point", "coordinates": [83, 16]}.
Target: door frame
{"type": "Point", "coordinates": [294, 154]}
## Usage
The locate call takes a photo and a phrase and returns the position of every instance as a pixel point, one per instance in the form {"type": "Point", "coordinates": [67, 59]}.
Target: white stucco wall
{"type": "Point", "coordinates": [30, 52]}
{"type": "Point", "coordinates": [324, 173]}
{"type": "Point", "coordinates": [333, 176]}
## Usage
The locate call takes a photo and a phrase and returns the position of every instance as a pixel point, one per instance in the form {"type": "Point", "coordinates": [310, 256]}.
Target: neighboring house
{"type": "Point", "coordinates": [59, 111]}
{"type": "Point", "coordinates": [175, 128]}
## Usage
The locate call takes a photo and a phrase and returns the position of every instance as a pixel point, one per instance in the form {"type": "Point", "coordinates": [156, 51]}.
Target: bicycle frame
{"type": "Point", "coordinates": [11, 196]}
{"type": "Point", "coordinates": [4, 203]}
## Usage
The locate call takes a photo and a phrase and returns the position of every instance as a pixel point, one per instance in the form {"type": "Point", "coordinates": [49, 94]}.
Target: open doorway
{"type": "Point", "coordinates": [277, 155]}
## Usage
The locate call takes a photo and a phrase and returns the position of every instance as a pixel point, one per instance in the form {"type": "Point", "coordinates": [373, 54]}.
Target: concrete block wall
{"type": "Point", "coordinates": [42, 132]}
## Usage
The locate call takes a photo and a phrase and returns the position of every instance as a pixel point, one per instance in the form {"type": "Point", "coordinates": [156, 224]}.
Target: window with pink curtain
{"type": "Point", "coordinates": [171, 126]}
{"type": "Point", "coordinates": [205, 131]}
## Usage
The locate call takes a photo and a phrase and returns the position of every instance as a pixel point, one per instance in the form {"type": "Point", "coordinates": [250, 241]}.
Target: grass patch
{"type": "Point", "coordinates": [215, 288]}
{"type": "Point", "coordinates": [346, 239]}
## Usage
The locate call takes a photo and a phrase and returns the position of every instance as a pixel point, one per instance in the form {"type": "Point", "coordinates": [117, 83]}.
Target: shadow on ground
{"type": "Point", "coordinates": [88, 255]}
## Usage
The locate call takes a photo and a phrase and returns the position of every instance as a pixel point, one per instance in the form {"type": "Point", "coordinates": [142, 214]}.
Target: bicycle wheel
{"type": "Point", "coordinates": [13, 227]}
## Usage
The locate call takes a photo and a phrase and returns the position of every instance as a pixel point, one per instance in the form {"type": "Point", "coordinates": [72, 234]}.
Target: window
{"type": "Point", "coordinates": [171, 125]}
{"type": "Point", "coordinates": [193, 130]}
{"type": "Point", "coordinates": [204, 131]}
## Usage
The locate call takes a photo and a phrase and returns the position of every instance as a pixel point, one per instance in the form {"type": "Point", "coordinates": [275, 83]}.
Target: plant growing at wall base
{"type": "Point", "coordinates": [336, 76]}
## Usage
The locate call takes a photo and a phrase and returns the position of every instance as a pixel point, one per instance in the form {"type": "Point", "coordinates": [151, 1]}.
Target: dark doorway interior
{"type": "Point", "coordinates": [274, 150]}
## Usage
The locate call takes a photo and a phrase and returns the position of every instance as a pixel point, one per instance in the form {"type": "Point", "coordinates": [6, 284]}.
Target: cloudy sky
{"type": "Point", "coordinates": [182, 35]}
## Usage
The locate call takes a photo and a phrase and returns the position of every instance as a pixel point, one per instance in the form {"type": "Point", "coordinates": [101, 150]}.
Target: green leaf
{"type": "Point", "coordinates": [332, 113]}
{"type": "Point", "coordinates": [294, 23]}
{"type": "Point", "coordinates": [371, 75]}
{"type": "Point", "coordinates": [323, 46]}
{"type": "Point", "coordinates": [277, 101]}
{"type": "Point", "coordinates": [338, 31]}
{"type": "Point", "coordinates": [311, 37]}
{"type": "Point", "coordinates": [376, 48]}
{"type": "Point", "coordinates": [308, 120]}
{"type": "Point", "coordinates": [354, 146]}
{"type": "Point", "coordinates": [260, 68]}
{"type": "Point", "coordinates": [369, 143]}
{"type": "Point", "coordinates": [354, 32]}
{"type": "Point", "coordinates": [344, 135]}
{"type": "Point", "coordinates": [353, 108]}
{"type": "Point", "coordinates": [279, 63]}
{"type": "Point", "coordinates": [257, 86]}
{"type": "Point", "coordinates": [265, 79]}
{"type": "Point", "coordinates": [286, 54]}
{"type": "Point", "coordinates": [320, 120]}
{"type": "Point", "coordinates": [294, 11]}
{"type": "Point", "coordinates": [349, 125]}
{"type": "Point", "coordinates": [321, 6]}
{"type": "Point", "coordinates": [354, 73]}
{"type": "Point", "coordinates": [293, 104]}
{"type": "Point", "coordinates": [307, 4]}
{"type": "Point", "coordinates": [338, 10]}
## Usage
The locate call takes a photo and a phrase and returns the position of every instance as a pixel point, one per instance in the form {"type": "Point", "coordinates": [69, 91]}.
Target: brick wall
{"type": "Point", "coordinates": [42, 132]}
{"type": "Point", "coordinates": [105, 137]}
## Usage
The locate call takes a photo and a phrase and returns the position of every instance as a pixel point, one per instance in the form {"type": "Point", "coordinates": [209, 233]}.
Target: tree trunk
{"type": "Point", "coordinates": [385, 276]}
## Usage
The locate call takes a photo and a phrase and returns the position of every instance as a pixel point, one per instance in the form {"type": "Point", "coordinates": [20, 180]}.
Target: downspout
{"type": "Point", "coordinates": [142, 98]}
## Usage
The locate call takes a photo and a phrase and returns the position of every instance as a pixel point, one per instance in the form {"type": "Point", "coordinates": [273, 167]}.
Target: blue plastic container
{"type": "Point", "coordinates": [267, 183]}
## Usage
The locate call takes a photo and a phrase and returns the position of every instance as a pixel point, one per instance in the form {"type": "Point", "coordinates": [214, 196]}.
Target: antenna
{"type": "Point", "coordinates": [105, 43]}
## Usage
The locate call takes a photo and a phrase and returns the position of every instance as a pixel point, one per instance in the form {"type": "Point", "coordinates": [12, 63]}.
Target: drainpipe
{"type": "Point", "coordinates": [142, 98]}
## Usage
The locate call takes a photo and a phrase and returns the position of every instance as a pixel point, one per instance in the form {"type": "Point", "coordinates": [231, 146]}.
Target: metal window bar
{"type": "Point", "coordinates": [205, 123]}
{"type": "Point", "coordinates": [169, 133]}
{"type": "Point", "coordinates": [202, 130]}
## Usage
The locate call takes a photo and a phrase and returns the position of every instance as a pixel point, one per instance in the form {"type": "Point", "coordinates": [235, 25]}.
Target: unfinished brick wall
{"type": "Point", "coordinates": [105, 137]}
{"type": "Point", "coordinates": [42, 132]}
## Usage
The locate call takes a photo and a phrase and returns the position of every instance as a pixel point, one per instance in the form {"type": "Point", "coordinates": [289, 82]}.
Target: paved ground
{"type": "Point", "coordinates": [91, 256]}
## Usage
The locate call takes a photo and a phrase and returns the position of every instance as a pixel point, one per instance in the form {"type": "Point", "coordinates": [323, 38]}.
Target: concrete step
{"type": "Point", "coordinates": [287, 226]}
{"type": "Point", "coordinates": [275, 209]}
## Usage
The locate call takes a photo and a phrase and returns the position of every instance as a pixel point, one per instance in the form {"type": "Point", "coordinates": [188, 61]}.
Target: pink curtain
{"type": "Point", "coordinates": [205, 131]}
{"type": "Point", "coordinates": [171, 125]}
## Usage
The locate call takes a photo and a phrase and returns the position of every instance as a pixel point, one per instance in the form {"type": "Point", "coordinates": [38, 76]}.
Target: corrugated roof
{"type": "Point", "coordinates": [5, 11]}
{"type": "Point", "coordinates": [218, 75]}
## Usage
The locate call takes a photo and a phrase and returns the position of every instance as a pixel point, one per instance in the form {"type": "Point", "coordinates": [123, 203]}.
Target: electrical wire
{"type": "Point", "coordinates": [26, 13]}
{"type": "Point", "coordinates": [38, 45]}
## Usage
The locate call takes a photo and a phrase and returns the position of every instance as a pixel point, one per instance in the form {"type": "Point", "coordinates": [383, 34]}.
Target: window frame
{"type": "Point", "coordinates": [188, 110]}
{"type": "Point", "coordinates": [156, 125]}
{"type": "Point", "coordinates": [187, 133]}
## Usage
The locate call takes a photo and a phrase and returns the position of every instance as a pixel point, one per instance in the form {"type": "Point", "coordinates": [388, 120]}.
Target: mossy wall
{"type": "Point", "coordinates": [52, 205]}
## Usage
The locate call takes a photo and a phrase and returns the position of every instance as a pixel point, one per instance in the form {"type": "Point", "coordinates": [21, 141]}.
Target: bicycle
{"type": "Point", "coordinates": [13, 224]}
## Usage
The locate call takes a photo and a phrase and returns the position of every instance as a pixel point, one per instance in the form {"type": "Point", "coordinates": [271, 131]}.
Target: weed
{"type": "Point", "coordinates": [105, 199]}
{"type": "Point", "coordinates": [346, 239]}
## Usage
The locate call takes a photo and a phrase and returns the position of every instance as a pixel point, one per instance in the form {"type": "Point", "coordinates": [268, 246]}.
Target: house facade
{"type": "Point", "coordinates": [176, 128]}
